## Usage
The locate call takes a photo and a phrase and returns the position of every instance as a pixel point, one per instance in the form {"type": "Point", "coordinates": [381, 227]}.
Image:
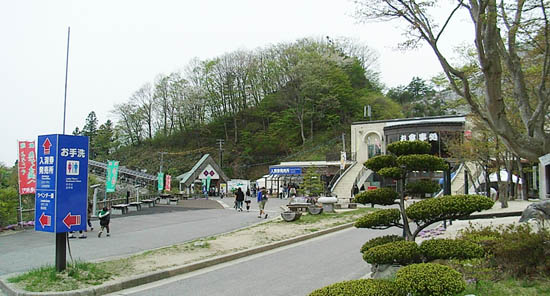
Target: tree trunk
{"type": "Point", "coordinates": [524, 188]}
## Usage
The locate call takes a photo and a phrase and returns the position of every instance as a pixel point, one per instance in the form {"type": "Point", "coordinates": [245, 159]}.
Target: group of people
{"type": "Point", "coordinates": [104, 220]}
{"type": "Point", "coordinates": [261, 198]}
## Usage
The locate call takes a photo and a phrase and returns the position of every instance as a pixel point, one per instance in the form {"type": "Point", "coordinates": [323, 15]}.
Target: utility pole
{"type": "Point", "coordinates": [220, 142]}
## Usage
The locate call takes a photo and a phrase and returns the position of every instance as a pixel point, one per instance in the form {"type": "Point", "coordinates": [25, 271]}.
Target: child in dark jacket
{"type": "Point", "coordinates": [104, 219]}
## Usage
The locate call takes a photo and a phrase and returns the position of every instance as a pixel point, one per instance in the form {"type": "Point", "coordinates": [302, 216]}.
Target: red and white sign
{"type": "Point", "coordinates": [27, 167]}
{"type": "Point", "coordinates": [371, 187]}
{"type": "Point", "coordinates": [45, 220]}
{"type": "Point", "coordinates": [167, 186]}
{"type": "Point", "coordinates": [71, 220]}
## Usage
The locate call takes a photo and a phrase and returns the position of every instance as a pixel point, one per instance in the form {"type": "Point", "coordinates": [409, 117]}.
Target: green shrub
{"type": "Point", "coordinates": [409, 147]}
{"type": "Point", "coordinates": [401, 252]}
{"type": "Point", "coordinates": [380, 161]}
{"type": "Point", "coordinates": [450, 249]}
{"type": "Point", "coordinates": [379, 196]}
{"type": "Point", "coordinates": [391, 172]}
{"type": "Point", "coordinates": [422, 162]}
{"type": "Point", "coordinates": [521, 252]}
{"type": "Point", "coordinates": [381, 240]}
{"type": "Point", "coordinates": [421, 187]}
{"type": "Point", "coordinates": [381, 218]}
{"type": "Point", "coordinates": [447, 207]}
{"type": "Point", "coordinates": [362, 287]}
{"type": "Point", "coordinates": [428, 279]}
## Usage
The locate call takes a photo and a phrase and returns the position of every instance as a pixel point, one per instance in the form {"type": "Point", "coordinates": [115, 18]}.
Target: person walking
{"type": "Point", "coordinates": [104, 219]}
{"type": "Point", "coordinates": [262, 200]}
{"type": "Point", "coordinates": [247, 200]}
{"type": "Point", "coordinates": [239, 198]}
{"type": "Point", "coordinates": [89, 219]}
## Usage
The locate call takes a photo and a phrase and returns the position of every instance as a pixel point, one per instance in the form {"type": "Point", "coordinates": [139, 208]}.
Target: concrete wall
{"type": "Point", "coordinates": [359, 133]}
{"type": "Point", "coordinates": [544, 177]}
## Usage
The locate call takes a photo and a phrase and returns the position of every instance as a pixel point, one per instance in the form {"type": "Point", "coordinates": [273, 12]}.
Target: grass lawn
{"type": "Point", "coordinates": [509, 287]}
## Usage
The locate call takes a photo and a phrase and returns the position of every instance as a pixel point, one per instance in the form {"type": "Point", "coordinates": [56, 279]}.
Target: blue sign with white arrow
{"type": "Point", "coordinates": [62, 183]}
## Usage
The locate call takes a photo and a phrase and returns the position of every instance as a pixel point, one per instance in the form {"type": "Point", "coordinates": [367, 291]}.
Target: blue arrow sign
{"type": "Point", "coordinates": [62, 183]}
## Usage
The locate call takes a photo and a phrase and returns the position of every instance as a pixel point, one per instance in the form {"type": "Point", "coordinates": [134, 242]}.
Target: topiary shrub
{"type": "Point", "coordinates": [380, 161]}
{"type": "Point", "coordinates": [409, 147]}
{"type": "Point", "coordinates": [429, 279]}
{"type": "Point", "coordinates": [362, 287]}
{"type": "Point", "coordinates": [400, 252]}
{"type": "Point", "coordinates": [379, 219]}
{"type": "Point", "coordinates": [381, 240]}
{"type": "Point", "coordinates": [379, 196]}
{"type": "Point", "coordinates": [450, 249]}
{"type": "Point", "coordinates": [447, 207]}
{"type": "Point", "coordinates": [391, 172]}
{"type": "Point", "coordinates": [421, 187]}
{"type": "Point", "coordinates": [422, 162]}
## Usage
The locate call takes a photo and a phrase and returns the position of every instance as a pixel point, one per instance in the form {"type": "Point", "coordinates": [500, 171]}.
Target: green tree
{"type": "Point", "coordinates": [408, 156]}
{"type": "Point", "coordinates": [105, 140]}
{"type": "Point", "coordinates": [505, 36]}
{"type": "Point", "coordinates": [312, 184]}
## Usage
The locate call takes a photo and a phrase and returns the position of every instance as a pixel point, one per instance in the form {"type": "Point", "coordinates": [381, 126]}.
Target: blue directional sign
{"type": "Point", "coordinates": [285, 171]}
{"type": "Point", "coordinates": [61, 183]}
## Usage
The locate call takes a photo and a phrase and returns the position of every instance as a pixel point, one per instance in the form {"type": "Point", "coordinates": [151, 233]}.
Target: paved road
{"type": "Point", "coordinates": [294, 270]}
{"type": "Point", "coordinates": [149, 229]}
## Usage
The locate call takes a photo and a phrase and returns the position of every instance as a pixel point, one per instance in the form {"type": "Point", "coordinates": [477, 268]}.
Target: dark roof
{"type": "Point", "coordinates": [190, 176]}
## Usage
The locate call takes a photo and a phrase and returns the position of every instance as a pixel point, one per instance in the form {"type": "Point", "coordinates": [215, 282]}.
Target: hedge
{"type": "Point", "coordinates": [422, 187]}
{"type": "Point", "coordinates": [381, 161]}
{"type": "Point", "coordinates": [391, 172]}
{"type": "Point", "coordinates": [362, 287]}
{"type": "Point", "coordinates": [429, 279]}
{"type": "Point", "coordinates": [387, 217]}
{"type": "Point", "coordinates": [400, 252]}
{"type": "Point", "coordinates": [450, 249]}
{"type": "Point", "coordinates": [381, 240]}
{"type": "Point", "coordinates": [409, 147]}
{"type": "Point", "coordinates": [422, 162]}
{"type": "Point", "coordinates": [449, 206]}
{"type": "Point", "coordinates": [379, 196]}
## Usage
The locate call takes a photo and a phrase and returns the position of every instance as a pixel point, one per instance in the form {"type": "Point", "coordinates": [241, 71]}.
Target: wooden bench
{"type": "Point", "coordinates": [298, 207]}
{"type": "Point", "coordinates": [136, 204]}
{"type": "Point", "coordinates": [149, 202]}
{"type": "Point", "coordinates": [123, 208]}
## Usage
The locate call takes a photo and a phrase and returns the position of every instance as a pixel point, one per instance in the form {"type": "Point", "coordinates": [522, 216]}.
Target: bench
{"type": "Point", "coordinates": [136, 204]}
{"type": "Point", "coordinates": [165, 199]}
{"type": "Point", "coordinates": [298, 207]}
{"type": "Point", "coordinates": [123, 208]}
{"type": "Point", "coordinates": [173, 201]}
{"type": "Point", "coordinates": [149, 202]}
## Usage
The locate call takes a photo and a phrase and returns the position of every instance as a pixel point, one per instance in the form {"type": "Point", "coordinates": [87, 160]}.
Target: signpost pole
{"type": "Point", "coordinates": [60, 251]}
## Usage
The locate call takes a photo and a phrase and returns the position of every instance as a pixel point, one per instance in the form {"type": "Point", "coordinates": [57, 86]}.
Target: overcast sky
{"type": "Point", "coordinates": [117, 46]}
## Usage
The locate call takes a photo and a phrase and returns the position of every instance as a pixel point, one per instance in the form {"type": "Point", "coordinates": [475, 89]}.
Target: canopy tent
{"type": "Point", "coordinates": [504, 177]}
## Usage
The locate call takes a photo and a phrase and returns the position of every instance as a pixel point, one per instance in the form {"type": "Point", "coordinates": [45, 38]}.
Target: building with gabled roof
{"type": "Point", "coordinates": [205, 169]}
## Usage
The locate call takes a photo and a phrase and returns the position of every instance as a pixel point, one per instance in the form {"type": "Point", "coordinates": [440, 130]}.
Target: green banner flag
{"type": "Point", "coordinates": [112, 175]}
{"type": "Point", "coordinates": [160, 178]}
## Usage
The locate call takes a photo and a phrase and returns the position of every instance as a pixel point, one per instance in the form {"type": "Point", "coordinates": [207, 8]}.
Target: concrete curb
{"type": "Point", "coordinates": [150, 277]}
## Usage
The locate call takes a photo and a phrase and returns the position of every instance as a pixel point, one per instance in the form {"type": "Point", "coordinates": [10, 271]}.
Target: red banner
{"type": "Point", "coordinates": [27, 167]}
{"type": "Point", "coordinates": [168, 181]}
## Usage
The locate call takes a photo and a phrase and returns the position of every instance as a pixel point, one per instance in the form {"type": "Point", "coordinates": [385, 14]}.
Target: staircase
{"type": "Point", "coordinates": [343, 187]}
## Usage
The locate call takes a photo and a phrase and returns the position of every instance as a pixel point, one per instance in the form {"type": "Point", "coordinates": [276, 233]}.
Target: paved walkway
{"type": "Point", "coordinates": [131, 233]}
